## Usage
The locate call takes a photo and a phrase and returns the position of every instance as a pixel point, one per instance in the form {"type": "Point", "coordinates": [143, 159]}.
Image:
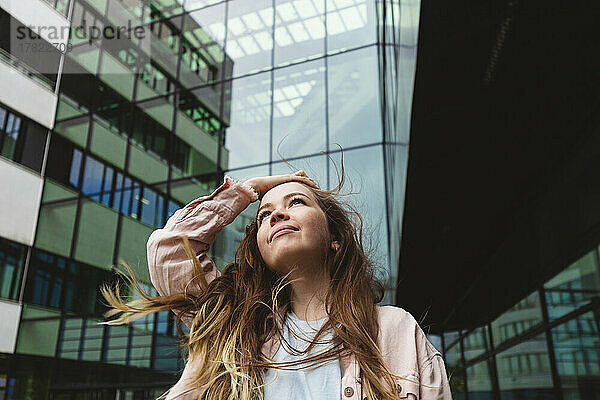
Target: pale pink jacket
{"type": "Point", "coordinates": [403, 344]}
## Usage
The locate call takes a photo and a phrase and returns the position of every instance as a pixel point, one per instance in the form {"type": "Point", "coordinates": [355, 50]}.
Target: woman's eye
{"type": "Point", "coordinates": [265, 213]}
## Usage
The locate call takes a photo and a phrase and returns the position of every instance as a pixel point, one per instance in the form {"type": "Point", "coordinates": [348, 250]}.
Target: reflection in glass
{"type": "Point", "coordinates": [450, 338]}
{"type": "Point", "coordinates": [577, 352]}
{"type": "Point", "coordinates": [160, 110]}
{"type": "Point", "coordinates": [250, 36]}
{"type": "Point", "coordinates": [315, 167]}
{"type": "Point", "coordinates": [12, 257]}
{"type": "Point", "coordinates": [574, 287]}
{"type": "Point", "coordinates": [96, 234]}
{"type": "Point", "coordinates": [202, 47]}
{"type": "Point", "coordinates": [10, 135]}
{"type": "Point", "coordinates": [247, 173]}
{"type": "Point", "coordinates": [185, 190]}
{"type": "Point", "coordinates": [75, 167]}
{"type": "Point", "coordinates": [524, 370]}
{"type": "Point", "coordinates": [116, 344]}
{"type": "Point", "coordinates": [479, 381]}
{"type": "Point", "coordinates": [71, 286]}
{"type": "Point", "coordinates": [299, 30]}
{"type": "Point", "coordinates": [247, 137]}
{"type": "Point", "coordinates": [456, 372]}
{"type": "Point", "coordinates": [475, 343]}
{"type": "Point", "coordinates": [199, 118]}
{"type": "Point", "coordinates": [92, 178]}
{"type": "Point", "coordinates": [364, 177]}
{"type": "Point", "coordinates": [350, 24]}
{"type": "Point", "coordinates": [517, 319]}
{"type": "Point", "coordinates": [299, 126]}
{"type": "Point", "coordinates": [354, 106]}
{"type": "Point", "coordinates": [204, 30]}
{"type": "Point", "coordinates": [191, 5]}
{"type": "Point", "coordinates": [21, 140]}
{"type": "Point", "coordinates": [166, 354]}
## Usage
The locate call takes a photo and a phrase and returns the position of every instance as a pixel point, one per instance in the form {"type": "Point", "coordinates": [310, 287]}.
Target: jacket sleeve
{"type": "Point", "coordinates": [171, 270]}
{"type": "Point", "coordinates": [433, 379]}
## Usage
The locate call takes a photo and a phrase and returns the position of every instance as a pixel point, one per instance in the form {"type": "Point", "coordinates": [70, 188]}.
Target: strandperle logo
{"type": "Point", "coordinates": [82, 39]}
{"type": "Point", "coordinates": [83, 31]}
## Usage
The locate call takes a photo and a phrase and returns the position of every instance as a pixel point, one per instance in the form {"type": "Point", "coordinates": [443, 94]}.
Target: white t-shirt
{"type": "Point", "coordinates": [322, 382]}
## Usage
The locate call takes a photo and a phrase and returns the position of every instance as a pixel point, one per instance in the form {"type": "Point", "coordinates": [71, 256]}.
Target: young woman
{"type": "Point", "coordinates": [295, 316]}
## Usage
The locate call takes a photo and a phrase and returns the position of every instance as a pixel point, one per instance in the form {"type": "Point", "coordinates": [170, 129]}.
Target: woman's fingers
{"type": "Point", "coordinates": [264, 184]}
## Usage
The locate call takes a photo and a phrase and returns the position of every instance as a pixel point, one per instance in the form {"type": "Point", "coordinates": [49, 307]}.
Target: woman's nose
{"type": "Point", "coordinates": [277, 215]}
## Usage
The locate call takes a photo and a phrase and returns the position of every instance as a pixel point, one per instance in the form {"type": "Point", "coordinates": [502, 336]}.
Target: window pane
{"type": "Point", "coordinates": [354, 104]}
{"type": "Point", "coordinates": [577, 351]}
{"type": "Point", "coordinates": [96, 235]}
{"type": "Point", "coordinates": [350, 24]}
{"type": "Point", "coordinates": [116, 352]}
{"type": "Point", "coordinates": [299, 30]}
{"type": "Point", "coordinates": [475, 344]}
{"type": "Point", "coordinates": [92, 178]}
{"type": "Point", "coordinates": [55, 225]}
{"type": "Point", "coordinates": [247, 138]}
{"type": "Point", "coordinates": [107, 187]}
{"type": "Point", "coordinates": [12, 257]}
{"type": "Point", "coordinates": [574, 287]}
{"type": "Point", "coordinates": [2, 118]}
{"type": "Point", "coordinates": [479, 381]}
{"type": "Point", "coordinates": [517, 319]}
{"type": "Point", "coordinates": [92, 341]}
{"type": "Point", "coordinates": [149, 205]}
{"type": "Point", "coordinates": [249, 35]}
{"type": "Point", "coordinates": [364, 175]}
{"type": "Point", "coordinates": [132, 247]}
{"type": "Point", "coordinates": [108, 144]}
{"type": "Point", "coordinates": [188, 189]}
{"type": "Point", "coordinates": [525, 370]}
{"type": "Point", "coordinates": [315, 167]}
{"type": "Point", "coordinates": [166, 354]}
{"type": "Point", "coordinates": [456, 372]}
{"type": "Point", "coordinates": [450, 339]}
{"type": "Point", "coordinates": [173, 206]}
{"type": "Point", "coordinates": [299, 126]}
{"type": "Point", "coordinates": [11, 135]}
{"type": "Point", "coordinates": [208, 29]}
{"type": "Point", "coordinates": [126, 198]}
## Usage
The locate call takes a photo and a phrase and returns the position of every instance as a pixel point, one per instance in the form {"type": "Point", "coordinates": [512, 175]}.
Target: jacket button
{"type": "Point", "coordinates": [348, 392]}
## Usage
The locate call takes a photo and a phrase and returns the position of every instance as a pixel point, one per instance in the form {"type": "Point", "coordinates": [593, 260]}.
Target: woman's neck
{"type": "Point", "coordinates": [308, 298]}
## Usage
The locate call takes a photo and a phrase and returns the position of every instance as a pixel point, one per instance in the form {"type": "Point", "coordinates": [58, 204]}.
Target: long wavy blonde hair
{"type": "Point", "coordinates": [245, 306]}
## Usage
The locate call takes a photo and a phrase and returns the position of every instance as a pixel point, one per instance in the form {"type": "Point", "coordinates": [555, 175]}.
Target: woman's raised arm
{"type": "Point", "coordinates": [171, 270]}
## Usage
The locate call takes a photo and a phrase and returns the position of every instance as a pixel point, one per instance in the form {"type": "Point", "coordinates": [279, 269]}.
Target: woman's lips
{"type": "Point", "coordinates": [282, 232]}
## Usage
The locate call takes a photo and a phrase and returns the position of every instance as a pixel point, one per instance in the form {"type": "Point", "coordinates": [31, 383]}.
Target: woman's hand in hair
{"type": "Point", "coordinates": [265, 183]}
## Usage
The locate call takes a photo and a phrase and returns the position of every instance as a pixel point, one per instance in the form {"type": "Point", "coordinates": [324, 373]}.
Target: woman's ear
{"type": "Point", "coordinates": [335, 245]}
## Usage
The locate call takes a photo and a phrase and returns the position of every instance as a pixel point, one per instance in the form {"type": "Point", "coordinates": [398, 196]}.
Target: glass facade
{"type": "Point", "coordinates": [239, 88]}
{"type": "Point", "coordinates": [222, 87]}
{"type": "Point", "coordinates": [546, 346]}
{"type": "Point", "coordinates": [21, 139]}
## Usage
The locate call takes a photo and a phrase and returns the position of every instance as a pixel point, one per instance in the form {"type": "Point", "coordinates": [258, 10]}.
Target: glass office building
{"type": "Point", "coordinates": [102, 140]}
{"type": "Point", "coordinates": [546, 346]}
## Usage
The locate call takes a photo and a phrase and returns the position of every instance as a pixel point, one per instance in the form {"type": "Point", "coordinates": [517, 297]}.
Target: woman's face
{"type": "Point", "coordinates": [292, 228]}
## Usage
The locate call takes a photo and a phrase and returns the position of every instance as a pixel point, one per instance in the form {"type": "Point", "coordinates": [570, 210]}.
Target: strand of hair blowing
{"type": "Point", "coordinates": [238, 311]}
